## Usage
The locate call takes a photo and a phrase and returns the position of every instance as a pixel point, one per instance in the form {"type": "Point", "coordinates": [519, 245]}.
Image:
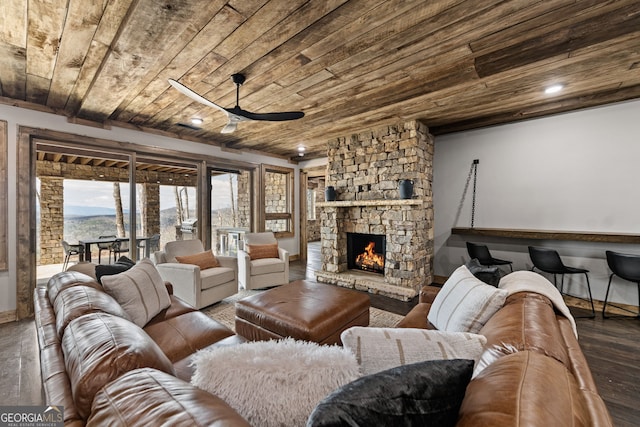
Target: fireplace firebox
{"type": "Point", "coordinates": [366, 252]}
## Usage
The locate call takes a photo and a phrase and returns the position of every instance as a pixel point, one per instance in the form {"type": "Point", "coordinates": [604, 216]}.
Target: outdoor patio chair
{"type": "Point", "coordinates": [70, 250]}
{"type": "Point", "coordinates": [105, 246]}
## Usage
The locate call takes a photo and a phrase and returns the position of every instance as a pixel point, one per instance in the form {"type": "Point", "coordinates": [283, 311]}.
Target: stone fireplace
{"type": "Point", "coordinates": [366, 252]}
{"type": "Point", "coordinates": [365, 170]}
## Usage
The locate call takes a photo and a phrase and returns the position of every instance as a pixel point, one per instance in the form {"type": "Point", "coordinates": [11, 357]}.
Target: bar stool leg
{"type": "Point", "coordinates": [606, 296]}
{"type": "Point", "coordinates": [593, 309]}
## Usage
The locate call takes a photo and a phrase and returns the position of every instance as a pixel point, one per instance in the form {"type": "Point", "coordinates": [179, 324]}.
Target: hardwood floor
{"type": "Point", "coordinates": [611, 346]}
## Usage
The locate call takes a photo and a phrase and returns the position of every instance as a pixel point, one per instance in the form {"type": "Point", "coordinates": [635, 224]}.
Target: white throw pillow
{"type": "Point", "coordinates": [274, 383]}
{"type": "Point", "coordinates": [140, 291]}
{"type": "Point", "coordinates": [465, 303]}
{"type": "Point", "coordinates": [378, 349]}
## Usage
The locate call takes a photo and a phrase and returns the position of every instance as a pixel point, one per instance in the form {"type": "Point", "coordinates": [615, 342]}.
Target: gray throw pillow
{"type": "Point", "coordinates": [421, 394]}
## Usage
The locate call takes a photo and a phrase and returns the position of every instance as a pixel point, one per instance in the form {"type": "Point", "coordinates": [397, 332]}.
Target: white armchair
{"type": "Point", "coordinates": [200, 288]}
{"type": "Point", "coordinates": [262, 272]}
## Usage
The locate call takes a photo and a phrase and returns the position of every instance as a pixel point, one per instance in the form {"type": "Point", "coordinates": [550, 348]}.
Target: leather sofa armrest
{"type": "Point", "coordinates": [428, 293]}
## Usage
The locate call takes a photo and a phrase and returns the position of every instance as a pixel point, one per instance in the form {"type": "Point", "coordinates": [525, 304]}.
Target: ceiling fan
{"type": "Point", "coordinates": [237, 114]}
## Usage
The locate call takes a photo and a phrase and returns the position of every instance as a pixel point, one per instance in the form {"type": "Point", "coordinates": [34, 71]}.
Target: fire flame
{"type": "Point", "coordinates": [369, 259]}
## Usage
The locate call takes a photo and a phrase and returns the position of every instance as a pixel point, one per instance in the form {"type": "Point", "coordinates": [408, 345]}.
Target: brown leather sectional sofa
{"type": "Point", "coordinates": [535, 373]}
{"type": "Point", "coordinates": [107, 371]}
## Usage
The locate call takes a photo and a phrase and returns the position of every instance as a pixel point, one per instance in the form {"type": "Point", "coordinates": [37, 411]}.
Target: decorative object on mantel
{"type": "Point", "coordinates": [330, 193]}
{"type": "Point", "coordinates": [406, 188]}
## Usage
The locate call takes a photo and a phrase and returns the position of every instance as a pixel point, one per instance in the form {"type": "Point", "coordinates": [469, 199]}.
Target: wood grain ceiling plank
{"type": "Point", "coordinates": [591, 99]}
{"type": "Point", "coordinates": [45, 23]}
{"type": "Point", "coordinates": [546, 16]}
{"type": "Point", "coordinates": [142, 40]}
{"type": "Point", "coordinates": [390, 21]}
{"type": "Point", "coordinates": [168, 63]}
{"type": "Point", "coordinates": [198, 50]}
{"type": "Point", "coordinates": [581, 34]}
{"type": "Point", "coordinates": [13, 30]}
{"type": "Point", "coordinates": [13, 82]}
{"type": "Point", "coordinates": [79, 29]}
{"type": "Point", "coordinates": [109, 25]}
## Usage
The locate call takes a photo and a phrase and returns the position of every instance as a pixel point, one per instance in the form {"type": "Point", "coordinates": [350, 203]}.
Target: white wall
{"type": "Point", "coordinates": [22, 117]}
{"type": "Point", "coordinates": [574, 172]}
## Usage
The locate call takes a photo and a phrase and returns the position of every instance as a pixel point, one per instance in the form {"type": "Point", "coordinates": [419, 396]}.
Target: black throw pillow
{"type": "Point", "coordinates": [488, 274]}
{"type": "Point", "coordinates": [121, 265]}
{"type": "Point", "coordinates": [420, 394]}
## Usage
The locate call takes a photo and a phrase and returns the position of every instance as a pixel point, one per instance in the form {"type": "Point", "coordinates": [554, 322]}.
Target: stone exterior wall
{"type": "Point", "coordinates": [244, 200]}
{"type": "Point", "coordinates": [365, 170]}
{"type": "Point", "coordinates": [52, 221]}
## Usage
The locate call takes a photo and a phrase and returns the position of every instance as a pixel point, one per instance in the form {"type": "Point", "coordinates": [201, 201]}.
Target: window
{"type": "Point", "coordinates": [277, 200]}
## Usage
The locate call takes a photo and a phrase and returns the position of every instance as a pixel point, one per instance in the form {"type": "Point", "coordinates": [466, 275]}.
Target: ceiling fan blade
{"type": "Point", "coordinates": [196, 97]}
{"type": "Point", "coordinates": [272, 117]}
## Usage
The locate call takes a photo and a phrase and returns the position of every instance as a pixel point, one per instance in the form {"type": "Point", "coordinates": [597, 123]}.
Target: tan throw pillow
{"type": "Point", "coordinates": [465, 303]}
{"type": "Point", "coordinates": [203, 260]}
{"type": "Point", "coordinates": [140, 291]}
{"type": "Point", "coordinates": [378, 349]}
{"type": "Point", "coordinates": [263, 251]}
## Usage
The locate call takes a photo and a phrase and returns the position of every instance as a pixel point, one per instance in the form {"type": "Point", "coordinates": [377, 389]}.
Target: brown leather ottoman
{"type": "Point", "coordinates": [303, 310]}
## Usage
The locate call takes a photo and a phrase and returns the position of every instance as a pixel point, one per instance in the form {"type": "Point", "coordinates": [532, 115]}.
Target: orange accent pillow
{"type": "Point", "coordinates": [203, 260]}
{"type": "Point", "coordinates": [263, 251]}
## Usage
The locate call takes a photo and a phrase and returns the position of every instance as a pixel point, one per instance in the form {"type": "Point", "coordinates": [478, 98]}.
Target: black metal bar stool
{"type": "Point", "coordinates": [549, 261]}
{"type": "Point", "coordinates": [626, 267]}
{"type": "Point", "coordinates": [482, 254]}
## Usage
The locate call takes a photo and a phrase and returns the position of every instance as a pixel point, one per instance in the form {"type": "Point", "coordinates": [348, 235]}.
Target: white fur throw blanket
{"type": "Point", "coordinates": [523, 281]}
{"type": "Point", "coordinates": [274, 383]}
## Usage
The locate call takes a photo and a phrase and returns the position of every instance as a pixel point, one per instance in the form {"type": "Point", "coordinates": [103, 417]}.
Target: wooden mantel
{"type": "Point", "coordinates": [584, 236]}
{"type": "Point", "coordinates": [354, 203]}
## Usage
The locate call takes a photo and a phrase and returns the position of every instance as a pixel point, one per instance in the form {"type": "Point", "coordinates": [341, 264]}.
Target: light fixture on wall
{"type": "Point", "coordinates": [550, 90]}
{"type": "Point", "coordinates": [301, 150]}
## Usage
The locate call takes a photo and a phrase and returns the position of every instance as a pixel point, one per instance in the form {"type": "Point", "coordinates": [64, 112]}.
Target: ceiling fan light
{"type": "Point", "coordinates": [229, 127]}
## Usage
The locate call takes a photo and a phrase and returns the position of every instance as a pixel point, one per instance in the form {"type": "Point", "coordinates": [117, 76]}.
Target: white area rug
{"type": "Point", "coordinates": [225, 312]}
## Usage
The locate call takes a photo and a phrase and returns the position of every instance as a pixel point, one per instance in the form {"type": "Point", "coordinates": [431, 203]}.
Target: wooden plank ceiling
{"type": "Point", "coordinates": [350, 65]}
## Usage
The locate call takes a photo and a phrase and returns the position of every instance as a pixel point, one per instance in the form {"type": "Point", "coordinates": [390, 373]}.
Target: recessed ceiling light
{"type": "Point", "coordinates": [553, 89]}
{"type": "Point", "coordinates": [301, 148]}
{"type": "Point", "coordinates": [196, 121]}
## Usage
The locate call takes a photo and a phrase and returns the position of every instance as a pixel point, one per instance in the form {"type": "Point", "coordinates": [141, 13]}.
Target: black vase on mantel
{"type": "Point", "coordinates": [330, 193]}
{"type": "Point", "coordinates": [406, 188]}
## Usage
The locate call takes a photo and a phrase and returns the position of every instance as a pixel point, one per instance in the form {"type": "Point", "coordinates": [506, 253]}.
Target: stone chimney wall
{"type": "Point", "coordinates": [365, 170]}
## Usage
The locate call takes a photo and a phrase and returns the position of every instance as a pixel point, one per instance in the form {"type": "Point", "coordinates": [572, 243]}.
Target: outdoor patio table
{"type": "Point", "coordinates": [88, 242]}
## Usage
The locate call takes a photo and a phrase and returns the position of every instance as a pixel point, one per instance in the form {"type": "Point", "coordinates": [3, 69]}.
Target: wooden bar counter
{"type": "Point", "coordinates": [584, 236]}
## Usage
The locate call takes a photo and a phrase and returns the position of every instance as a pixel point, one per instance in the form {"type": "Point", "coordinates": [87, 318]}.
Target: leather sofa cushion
{"type": "Point", "coordinates": [100, 347]}
{"type": "Point", "coordinates": [417, 317]}
{"type": "Point", "coordinates": [527, 321]}
{"type": "Point", "coordinates": [524, 389]}
{"type": "Point", "coordinates": [177, 308]}
{"type": "Point", "coordinates": [77, 301]}
{"type": "Point", "coordinates": [212, 277]}
{"type": "Point", "coordinates": [266, 266]}
{"type": "Point", "coordinates": [180, 336]}
{"type": "Point", "coordinates": [67, 279]}
{"type": "Point", "coordinates": [147, 397]}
